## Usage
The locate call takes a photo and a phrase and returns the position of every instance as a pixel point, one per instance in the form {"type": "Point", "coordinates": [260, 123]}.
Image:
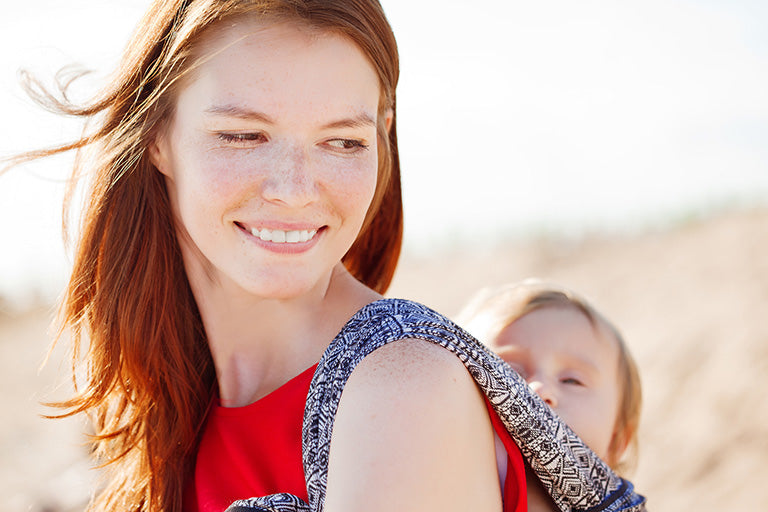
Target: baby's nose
{"type": "Point", "coordinates": [544, 390]}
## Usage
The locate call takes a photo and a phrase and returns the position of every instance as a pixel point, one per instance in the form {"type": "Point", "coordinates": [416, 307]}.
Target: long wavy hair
{"type": "Point", "coordinates": [142, 368]}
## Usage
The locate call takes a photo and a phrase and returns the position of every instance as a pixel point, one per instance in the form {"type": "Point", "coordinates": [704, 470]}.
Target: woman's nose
{"type": "Point", "coordinates": [544, 390]}
{"type": "Point", "coordinates": [290, 179]}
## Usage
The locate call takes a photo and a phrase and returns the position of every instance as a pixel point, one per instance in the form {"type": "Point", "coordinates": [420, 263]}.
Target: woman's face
{"type": "Point", "coordinates": [271, 156]}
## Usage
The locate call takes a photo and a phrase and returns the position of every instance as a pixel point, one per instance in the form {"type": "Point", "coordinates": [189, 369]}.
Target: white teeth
{"type": "Point", "coordinates": [279, 236]}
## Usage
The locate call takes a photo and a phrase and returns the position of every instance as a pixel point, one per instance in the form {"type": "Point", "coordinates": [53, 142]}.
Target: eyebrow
{"type": "Point", "coordinates": [582, 364]}
{"type": "Point", "coordinates": [236, 111]}
{"type": "Point", "coordinates": [239, 113]}
{"type": "Point", "coordinates": [360, 120]}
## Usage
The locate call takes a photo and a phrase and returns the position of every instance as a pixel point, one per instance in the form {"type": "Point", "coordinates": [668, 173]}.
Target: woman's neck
{"type": "Point", "coordinates": [259, 344]}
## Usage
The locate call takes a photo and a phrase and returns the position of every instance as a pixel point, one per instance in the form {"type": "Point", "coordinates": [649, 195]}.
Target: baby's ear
{"type": "Point", "coordinates": [620, 455]}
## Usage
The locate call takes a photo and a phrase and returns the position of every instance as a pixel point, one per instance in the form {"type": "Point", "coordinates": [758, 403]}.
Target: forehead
{"type": "Point", "coordinates": [249, 32]}
{"type": "Point", "coordinates": [246, 58]}
{"type": "Point", "coordinates": [560, 330]}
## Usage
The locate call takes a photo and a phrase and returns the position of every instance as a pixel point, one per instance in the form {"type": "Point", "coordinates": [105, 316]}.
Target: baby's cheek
{"type": "Point", "coordinates": [601, 423]}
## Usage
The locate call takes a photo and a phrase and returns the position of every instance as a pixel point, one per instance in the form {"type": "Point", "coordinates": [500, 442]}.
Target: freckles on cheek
{"type": "Point", "coordinates": [357, 191]}
{"type": "Point", "coordinates": [219, 177]}
{"type": "Point", "coordinates": [356, 180]}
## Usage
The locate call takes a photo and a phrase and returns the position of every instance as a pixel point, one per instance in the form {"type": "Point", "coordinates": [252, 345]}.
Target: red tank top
{"type": "Point", "coordinates": [250, 451]}
{"type": "Point", "coordinates": [255, 450]}
{"type": "Point", "coordinates": [515, 492]}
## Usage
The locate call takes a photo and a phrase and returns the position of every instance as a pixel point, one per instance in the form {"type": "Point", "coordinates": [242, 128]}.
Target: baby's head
{"type": "Point", "coordinates": [571, 355]}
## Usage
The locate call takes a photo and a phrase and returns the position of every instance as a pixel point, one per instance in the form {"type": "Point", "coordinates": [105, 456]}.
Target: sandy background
{"type": "Point", "coordinates": [692, 302]}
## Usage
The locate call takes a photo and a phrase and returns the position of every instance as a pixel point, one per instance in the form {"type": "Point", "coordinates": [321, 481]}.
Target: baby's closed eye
{"type": "Point", "coordinates": [574, 381]}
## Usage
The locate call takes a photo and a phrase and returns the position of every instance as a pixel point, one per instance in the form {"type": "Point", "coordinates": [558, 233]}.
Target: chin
{"type": "Point", "coordinates": [278, 289]}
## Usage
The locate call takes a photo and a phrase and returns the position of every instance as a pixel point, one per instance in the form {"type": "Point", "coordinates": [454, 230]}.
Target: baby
{"type": "Point", "coordinates": [573, 357]}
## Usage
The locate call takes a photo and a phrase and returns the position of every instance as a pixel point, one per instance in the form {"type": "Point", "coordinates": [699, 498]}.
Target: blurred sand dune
{"type": "Point", "coordinates": [692, 303]}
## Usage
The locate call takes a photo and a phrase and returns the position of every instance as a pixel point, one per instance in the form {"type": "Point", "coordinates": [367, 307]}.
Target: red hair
{"type": "Point", "coordinates": [148, 377]}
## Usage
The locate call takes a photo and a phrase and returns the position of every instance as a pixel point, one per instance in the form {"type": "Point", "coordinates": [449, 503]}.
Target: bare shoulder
{"type": "Point", "coordinates": [412, 433]}
{"type": "Point", "coordinates": [412, 376]}
{"type": "Point", "coordinates": [411, 361]}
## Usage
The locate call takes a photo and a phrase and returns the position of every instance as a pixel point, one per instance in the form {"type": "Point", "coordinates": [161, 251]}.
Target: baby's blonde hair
{"type": "Point", "coordinates": [491, 310]}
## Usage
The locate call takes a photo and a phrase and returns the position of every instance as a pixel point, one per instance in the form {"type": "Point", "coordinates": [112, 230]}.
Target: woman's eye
{"type": "Point", "coordinates": [347, 145]}
{"type": "Point", "coordinates": [243, 138]}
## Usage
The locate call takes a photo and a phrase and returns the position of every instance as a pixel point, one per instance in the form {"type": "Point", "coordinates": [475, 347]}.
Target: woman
{"type": "Point", "coordinates": [244, 205]}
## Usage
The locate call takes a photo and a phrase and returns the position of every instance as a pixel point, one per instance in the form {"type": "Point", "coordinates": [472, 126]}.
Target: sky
{"type": "Point", "coordinates": [553, 117]}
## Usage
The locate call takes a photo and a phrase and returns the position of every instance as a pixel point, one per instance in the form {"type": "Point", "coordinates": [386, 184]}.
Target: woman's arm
{"type": "Point", "coordinates": [412, 433]}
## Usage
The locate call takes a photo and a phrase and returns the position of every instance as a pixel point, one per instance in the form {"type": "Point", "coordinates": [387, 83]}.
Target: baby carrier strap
{"type": "Point", "coordinates": [572, 474]}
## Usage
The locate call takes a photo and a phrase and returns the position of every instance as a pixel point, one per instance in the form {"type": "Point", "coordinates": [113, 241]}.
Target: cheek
{"type": "Point", "coordinates": [590, 416]}
{"type": "Point", "coordinates": [207, 177]}
{"type": "Point", "coordinates": [200, 196]}
{"type": "Point", "coordinates": [599, 417]}
{"type": "Point", "coordinates": [361, 193]}
{"type": "Point", "coordinates": [351, 183]}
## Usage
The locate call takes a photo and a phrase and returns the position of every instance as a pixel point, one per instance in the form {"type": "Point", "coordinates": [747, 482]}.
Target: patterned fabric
{"type": "Point", "coordinates": [573, 475]}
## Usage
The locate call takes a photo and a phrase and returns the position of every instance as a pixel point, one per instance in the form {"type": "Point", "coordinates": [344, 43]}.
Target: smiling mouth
{"type": "Point", "coordinates": [279, 236]}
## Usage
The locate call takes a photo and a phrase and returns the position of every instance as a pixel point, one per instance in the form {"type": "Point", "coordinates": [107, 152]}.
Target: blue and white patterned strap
{"type": "Point", "coordinates": [573, 475]}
